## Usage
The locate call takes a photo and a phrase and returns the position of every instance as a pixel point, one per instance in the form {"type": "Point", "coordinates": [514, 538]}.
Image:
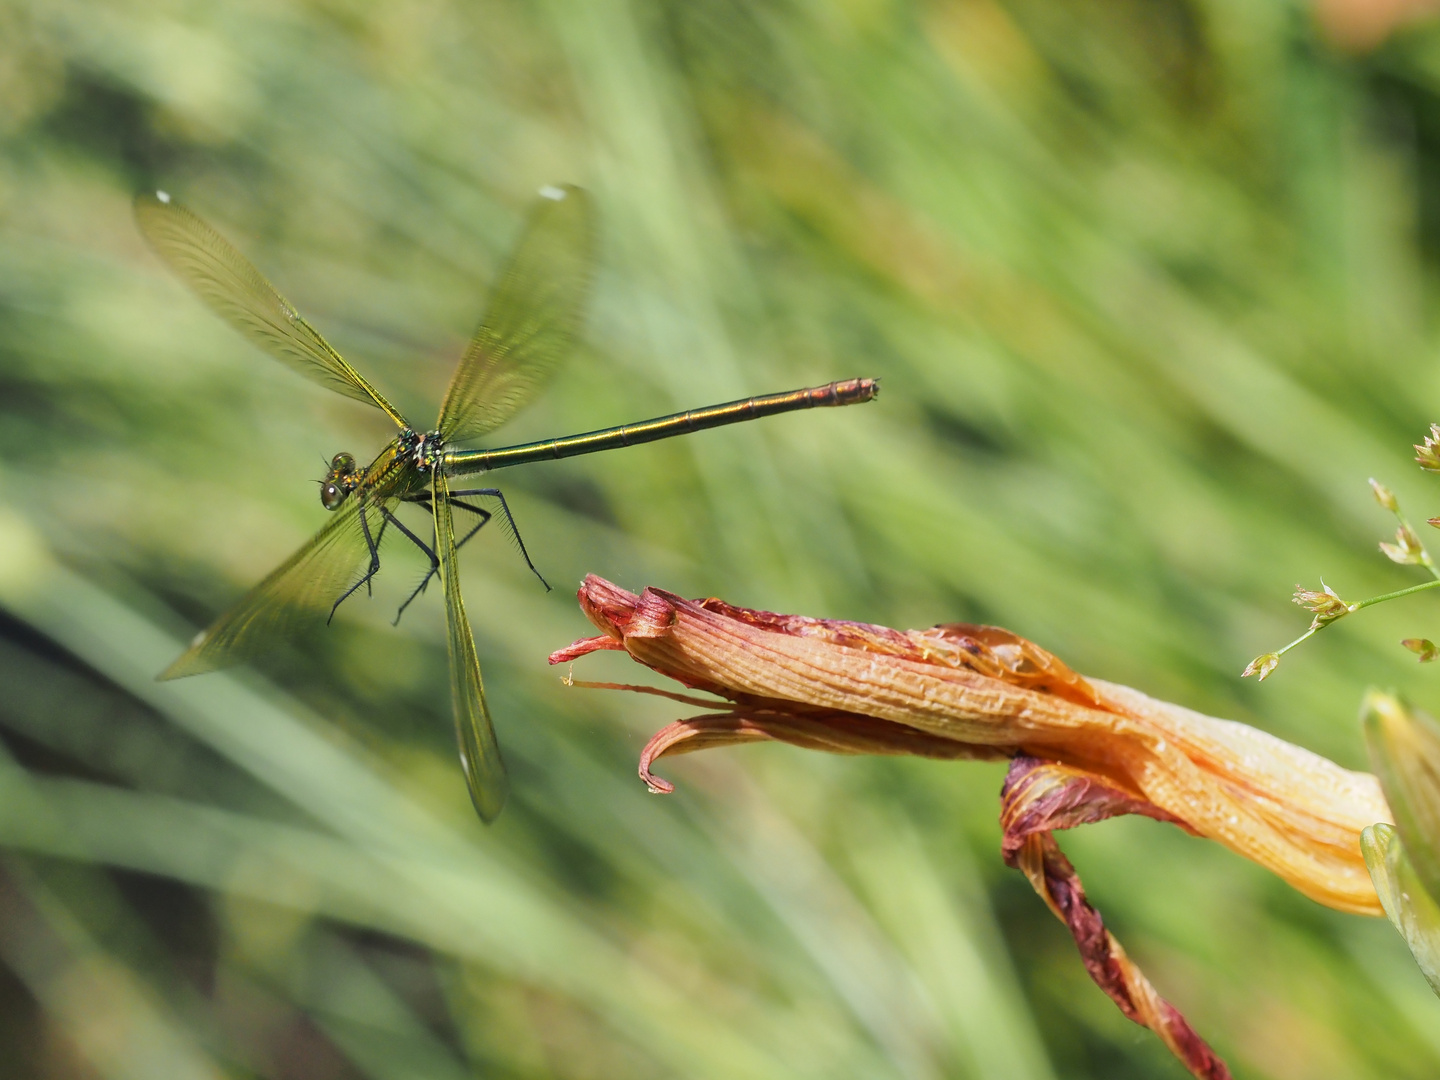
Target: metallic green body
{"type": "Point", "coordinates": [848, 392]}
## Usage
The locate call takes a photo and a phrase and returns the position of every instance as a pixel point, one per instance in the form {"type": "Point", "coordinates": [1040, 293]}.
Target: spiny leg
{"type": "Point", "coordinates": [374, 547]}
{"type": "Point", "coordinates": [374, 554]}
{"type": "Point", "coordinates": [479, 511]}
{"type": "Point", "coordinates": [424, 500]}
{"type": "Point", "coordinates": [509, 524]}
{"type": "Point", "coordinates": [429, 554]}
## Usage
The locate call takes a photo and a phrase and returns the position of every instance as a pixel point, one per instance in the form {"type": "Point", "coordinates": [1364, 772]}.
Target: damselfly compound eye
{"type": "Point", "coordinates": [332, 495]}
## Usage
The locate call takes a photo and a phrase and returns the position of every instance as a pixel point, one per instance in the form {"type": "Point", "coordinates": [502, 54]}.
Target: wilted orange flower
{"type": "Point", "coordinates": [1082, 750]}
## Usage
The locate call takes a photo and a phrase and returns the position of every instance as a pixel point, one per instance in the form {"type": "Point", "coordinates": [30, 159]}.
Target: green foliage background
{"type": "Point", "coordinates": [1150, 286]}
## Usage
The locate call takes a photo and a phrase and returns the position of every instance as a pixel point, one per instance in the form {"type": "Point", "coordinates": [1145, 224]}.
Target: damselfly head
{"type": "Point", "coordinates": [340, 480]}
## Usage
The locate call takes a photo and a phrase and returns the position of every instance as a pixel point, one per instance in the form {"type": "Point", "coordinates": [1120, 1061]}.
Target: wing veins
{"type": "Point", "coordinates": [534, 312]}
{"type": "Point", "coordinates": [236, 291]}
{"type": "Point", "coordinates": [474, 730]}
{"type": "Point", "coordinates": [300, 590]}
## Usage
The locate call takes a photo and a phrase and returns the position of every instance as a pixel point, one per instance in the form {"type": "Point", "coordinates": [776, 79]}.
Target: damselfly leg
{"type": "Point", "coordinates": [484, 516]}
{"type": "Point", "coordinates": [373, 544]}
{"type": "Point", "coordinates": [509, 521]}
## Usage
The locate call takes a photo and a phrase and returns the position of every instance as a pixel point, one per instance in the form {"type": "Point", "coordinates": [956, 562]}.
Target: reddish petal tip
{"type": "Point", "coordinates": [656, 785]}
{"type": "Point", "coordinates": [584, 647]}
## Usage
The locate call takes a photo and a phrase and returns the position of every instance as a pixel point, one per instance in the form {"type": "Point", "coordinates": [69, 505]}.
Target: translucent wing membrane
{"type": "Point", "coordinates": [534, 312]}
{"type": "Point", "coordinates": [298, 593]}
{"type": "Point", "coordinates": [240, 295]}
{"type": "Point", "coordinates": [479, 753]}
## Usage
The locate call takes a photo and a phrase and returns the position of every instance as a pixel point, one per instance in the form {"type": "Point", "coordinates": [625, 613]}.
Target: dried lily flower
{"type": "Point", "coordinates": [1082, 750]}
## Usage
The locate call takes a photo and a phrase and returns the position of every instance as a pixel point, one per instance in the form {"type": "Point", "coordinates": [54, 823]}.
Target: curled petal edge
{"type": "Point", "coordinates": [835, 733]}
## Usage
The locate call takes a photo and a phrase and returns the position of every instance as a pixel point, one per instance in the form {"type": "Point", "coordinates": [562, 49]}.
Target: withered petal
{"type": "Point", "coordinates": [1043, 796]}
{"type": "Point", "coordinates": [1057, 883]}
{"type": "Point", "coordinates": [584, 647]}
{"type": "Point", "coordinates": [997, 694]}
{"type": "Point", "coordinates": [835, 733]}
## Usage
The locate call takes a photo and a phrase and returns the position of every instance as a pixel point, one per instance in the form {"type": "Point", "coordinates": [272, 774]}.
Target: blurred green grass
{"type": "Point", "coordinates": [1149, 286]}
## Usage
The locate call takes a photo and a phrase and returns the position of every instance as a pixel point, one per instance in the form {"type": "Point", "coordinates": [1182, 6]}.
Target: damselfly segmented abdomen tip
{"type": "Point", "coordinates": [865, 389]}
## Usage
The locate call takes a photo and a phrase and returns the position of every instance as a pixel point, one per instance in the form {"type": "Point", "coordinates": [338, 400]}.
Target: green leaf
{"type": "Point", "coordinates": [1411, 909]}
